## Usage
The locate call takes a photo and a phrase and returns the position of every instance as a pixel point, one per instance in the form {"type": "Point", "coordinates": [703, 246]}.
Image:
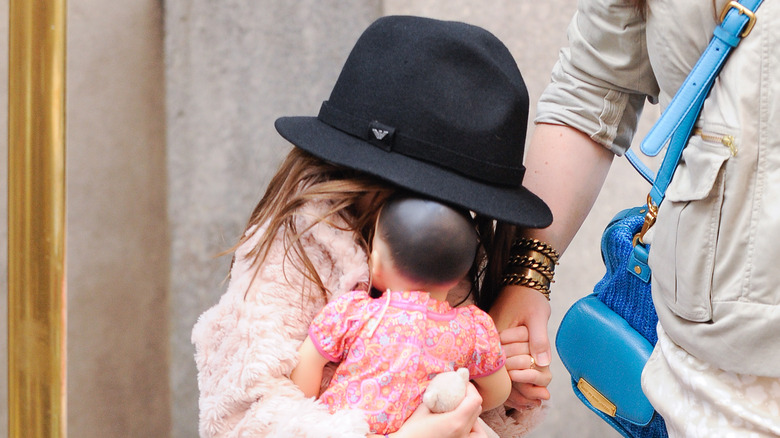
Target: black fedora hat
{"type": "Point", "coordinates": [436, 107]}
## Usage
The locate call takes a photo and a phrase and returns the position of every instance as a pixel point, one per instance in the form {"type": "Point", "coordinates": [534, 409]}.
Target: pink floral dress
{"type": "Point", "coordinates": [390, 348]}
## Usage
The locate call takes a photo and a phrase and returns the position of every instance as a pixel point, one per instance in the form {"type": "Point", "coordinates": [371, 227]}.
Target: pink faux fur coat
{"type": "Point", "coordinates": [246, 345]}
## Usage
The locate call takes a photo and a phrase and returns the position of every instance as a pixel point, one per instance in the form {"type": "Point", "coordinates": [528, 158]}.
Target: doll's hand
{"type": "Point", "coordinates": [459, 423]}
{"type": "Point", "coordinates": [529, 380]}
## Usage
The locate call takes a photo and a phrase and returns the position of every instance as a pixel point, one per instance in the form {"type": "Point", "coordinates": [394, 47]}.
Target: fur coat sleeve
{"type": "Point", "coordinates": [246, 345]}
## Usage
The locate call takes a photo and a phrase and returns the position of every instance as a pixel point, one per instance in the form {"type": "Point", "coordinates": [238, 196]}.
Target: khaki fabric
{"type": "Point", "coordinates": [714, 247]}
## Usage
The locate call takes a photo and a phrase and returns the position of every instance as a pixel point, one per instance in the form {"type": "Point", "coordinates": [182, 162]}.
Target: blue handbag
{"type": "Point", "coordinates": [605, 339]}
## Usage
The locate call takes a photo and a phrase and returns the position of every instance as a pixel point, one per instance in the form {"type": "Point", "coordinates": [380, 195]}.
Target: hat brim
{"type": "Point", "coordinates": [515, 205]}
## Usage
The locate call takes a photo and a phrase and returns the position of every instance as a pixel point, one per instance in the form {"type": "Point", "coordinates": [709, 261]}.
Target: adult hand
{"type": "Point", "coordinates": [518, 306]}
{"type": "Point", "coordinates": [459, 423]}
{"type": "Point", "coordinates": [529, 381]}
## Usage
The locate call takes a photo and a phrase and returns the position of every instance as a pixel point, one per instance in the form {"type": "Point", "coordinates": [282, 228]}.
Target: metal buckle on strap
{"type": "Point", "coordinates": [742, 10]}
{"type": "Point", "coordinates": [652, 213]}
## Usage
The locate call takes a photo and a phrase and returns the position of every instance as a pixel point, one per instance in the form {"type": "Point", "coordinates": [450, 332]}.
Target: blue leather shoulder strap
{"type": "Point", "coordinates": [690, 97]}
{"type": "Point", "coordinates": [640, 167]}
{"type": "Point", "coordinates": [676, 122]}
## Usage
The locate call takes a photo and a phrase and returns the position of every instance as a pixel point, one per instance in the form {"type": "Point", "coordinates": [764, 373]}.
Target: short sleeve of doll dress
{"type": "Point", "coordinates": [337, 324]}
{"type": "Point", "coordinates": [487, 356]}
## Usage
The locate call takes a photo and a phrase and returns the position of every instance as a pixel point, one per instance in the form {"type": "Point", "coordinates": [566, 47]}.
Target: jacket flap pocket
{"type": "Point", "coordinates": [698, 169]}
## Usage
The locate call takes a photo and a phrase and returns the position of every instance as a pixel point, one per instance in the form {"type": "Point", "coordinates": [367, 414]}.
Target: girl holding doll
{"type": "Point", "coordinates": [430, 107]}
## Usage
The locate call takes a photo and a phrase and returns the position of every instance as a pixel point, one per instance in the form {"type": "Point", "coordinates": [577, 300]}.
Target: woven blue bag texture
{"type": "Point", "coordinates": [629, 297]}
{"type": "Point", "coordinates": [619, 289]}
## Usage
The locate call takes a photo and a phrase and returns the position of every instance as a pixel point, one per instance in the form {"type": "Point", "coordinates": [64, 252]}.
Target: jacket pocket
{"type": "Point", "coordinates": [682, 255]}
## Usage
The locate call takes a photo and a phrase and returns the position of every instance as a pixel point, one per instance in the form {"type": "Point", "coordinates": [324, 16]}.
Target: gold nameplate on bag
{"type": "Point", "coordinates": [595, 398]}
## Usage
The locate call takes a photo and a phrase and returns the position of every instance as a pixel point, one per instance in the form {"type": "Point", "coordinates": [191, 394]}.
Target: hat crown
{"type": "Point", "coordinates": [447, 93]}
{"type": "Point", "coordinates": [435, 107]}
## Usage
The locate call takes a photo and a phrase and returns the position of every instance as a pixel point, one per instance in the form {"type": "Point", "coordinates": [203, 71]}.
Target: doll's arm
{"type": "Point", "coordinates": [494, 388]}
{"type": "Point", "coordinates": [308, 373]}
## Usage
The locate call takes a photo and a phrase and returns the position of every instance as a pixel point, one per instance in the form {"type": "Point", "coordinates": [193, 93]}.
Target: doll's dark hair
{"type": "Point", "coordinates": [429, 242]}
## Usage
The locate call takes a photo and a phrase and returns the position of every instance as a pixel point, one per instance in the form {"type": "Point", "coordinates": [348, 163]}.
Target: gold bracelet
{"type": "Point", "coordinates": [531, 264]}
{"type": "Point", "coordinates": [535, 260]}
{"type": "Point", "coordinates": [535, 245]}
{"type": "Point", "coordinates": [529, 278]}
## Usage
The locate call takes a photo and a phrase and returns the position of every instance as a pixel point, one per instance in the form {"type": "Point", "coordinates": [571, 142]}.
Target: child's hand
{"type": "Point", "coordinates": [459, 423]}
{"type": "Point", "coordinates": [529, 381]}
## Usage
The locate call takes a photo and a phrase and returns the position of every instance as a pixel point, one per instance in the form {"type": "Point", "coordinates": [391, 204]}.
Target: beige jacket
{"type": "Point", "coordinates": [716, 285]}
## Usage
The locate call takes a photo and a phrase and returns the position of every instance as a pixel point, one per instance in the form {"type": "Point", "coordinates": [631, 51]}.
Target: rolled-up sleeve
{"type": "Point", "coordinates": [600, 81]}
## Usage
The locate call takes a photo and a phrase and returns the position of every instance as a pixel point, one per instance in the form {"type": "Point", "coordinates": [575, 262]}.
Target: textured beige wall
{"type": "Point", "coordinates": [233, 70]}
{"type": "Point", "coordinates": [117, 227]}
{"type": "Point", "coordinates": [117, 241]}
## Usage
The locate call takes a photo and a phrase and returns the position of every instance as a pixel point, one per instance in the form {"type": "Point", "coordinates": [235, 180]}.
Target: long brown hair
{"type": "Point", "coordinates": [487, 273]}
{"type": "Point", "coordinates": [302, 178]}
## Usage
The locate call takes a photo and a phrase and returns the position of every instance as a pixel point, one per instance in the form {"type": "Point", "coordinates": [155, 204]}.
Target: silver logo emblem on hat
{"type": "Point", "coordinates": [379, 133]}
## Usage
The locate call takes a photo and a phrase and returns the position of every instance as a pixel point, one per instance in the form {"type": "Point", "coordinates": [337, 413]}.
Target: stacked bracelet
{"type": "Point", "coordinates": [531, 264]}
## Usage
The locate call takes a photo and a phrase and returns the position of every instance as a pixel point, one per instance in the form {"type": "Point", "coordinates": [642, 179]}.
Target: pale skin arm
{"type": "Point", "coordinates": [307, 375]}
{"type": "Point", "coordinates": [494, 388]}
{"type": "Point", "coordinates": [567, 170]}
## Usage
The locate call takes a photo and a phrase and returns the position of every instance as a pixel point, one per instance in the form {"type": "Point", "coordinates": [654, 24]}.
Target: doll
{"type": "Point", "coordinates": [390, 344]}
{"type": "Point", "coordinates": [446, 390]}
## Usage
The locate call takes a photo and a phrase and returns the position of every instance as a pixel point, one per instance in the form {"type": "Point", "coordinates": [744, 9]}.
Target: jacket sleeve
{"type": "Point", "coordinates": [246, 346]}
{"type": "Point", "coordinates": [600, 81]}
